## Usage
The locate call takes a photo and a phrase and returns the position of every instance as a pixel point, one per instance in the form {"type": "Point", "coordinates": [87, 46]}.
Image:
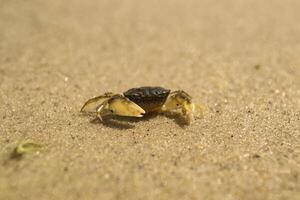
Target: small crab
{"type": "Point", "coordinates": [137, 102]}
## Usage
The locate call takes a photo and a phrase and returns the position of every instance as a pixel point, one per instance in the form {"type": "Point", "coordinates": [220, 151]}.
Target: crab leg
{"type": "Point", "coordinates": [96, 100]}
{"type": "Point", "coordinates": [99, 109]}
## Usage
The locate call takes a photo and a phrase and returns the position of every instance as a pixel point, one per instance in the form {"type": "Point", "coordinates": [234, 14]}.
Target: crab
{"type": "Point", "coordinates": [137, 102]}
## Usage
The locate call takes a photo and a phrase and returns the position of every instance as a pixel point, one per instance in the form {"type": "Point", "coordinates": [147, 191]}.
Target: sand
{"type": "Point", "coordinates": [239, 59]}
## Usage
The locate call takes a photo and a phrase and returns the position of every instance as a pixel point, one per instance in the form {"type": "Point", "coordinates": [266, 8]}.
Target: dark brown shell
{"type": "Point", "coordinates": [148, 98]}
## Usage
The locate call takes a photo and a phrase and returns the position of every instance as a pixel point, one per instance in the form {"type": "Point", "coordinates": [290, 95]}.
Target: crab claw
{"type": "Point", "coordinates": [120, 105]}
{"type": "Point", "coordinates": [188, 109]}
{"type": "Point", "coordinates": [180, 100]}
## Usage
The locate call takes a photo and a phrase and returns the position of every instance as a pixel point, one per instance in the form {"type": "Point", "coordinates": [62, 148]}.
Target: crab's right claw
{"type": "Point", "coordinates": [199, 111]}
{"type": "Point", "coordinates": [188, 110]}
{"type": "Point", "coordinates": [122, 106]}
{"type": "Point", "coordinates": [192, 111]}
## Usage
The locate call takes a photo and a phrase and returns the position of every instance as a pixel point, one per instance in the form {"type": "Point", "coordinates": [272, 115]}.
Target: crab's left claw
{"type": "Point", "coordinates": [120, 105]}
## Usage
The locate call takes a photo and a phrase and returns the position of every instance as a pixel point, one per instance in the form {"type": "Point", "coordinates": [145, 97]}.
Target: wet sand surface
{"type": "Point", "coordinates": [239, 59]}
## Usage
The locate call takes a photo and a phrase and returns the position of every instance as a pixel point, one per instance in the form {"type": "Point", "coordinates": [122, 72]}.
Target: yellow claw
{"type": "Point", "coordinates": [192, 111]}
{"type": "Point", "coordinates": [180, 100]}
{"type": "Point", "coordinates": [124, 107]}
{"type": "Point", "coordinates": [199, 111]}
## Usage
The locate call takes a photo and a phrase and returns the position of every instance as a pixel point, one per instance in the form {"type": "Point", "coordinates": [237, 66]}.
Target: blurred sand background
{"type": "Point", "coordinates": [240, 59]}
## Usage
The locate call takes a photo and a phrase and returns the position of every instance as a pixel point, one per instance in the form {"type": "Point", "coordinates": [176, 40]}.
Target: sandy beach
{"type": "Point", "coordinates": [238, 59]}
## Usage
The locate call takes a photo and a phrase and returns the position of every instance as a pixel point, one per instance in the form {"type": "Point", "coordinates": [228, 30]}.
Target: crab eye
{"type": "Point", "coordinates": [111, 111]}
{"type": "Point", "coordinates": [177, 104]}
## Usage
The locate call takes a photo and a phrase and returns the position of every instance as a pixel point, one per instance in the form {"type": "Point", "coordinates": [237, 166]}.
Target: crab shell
{"type": "Point", "coordinates": [150, 99]}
